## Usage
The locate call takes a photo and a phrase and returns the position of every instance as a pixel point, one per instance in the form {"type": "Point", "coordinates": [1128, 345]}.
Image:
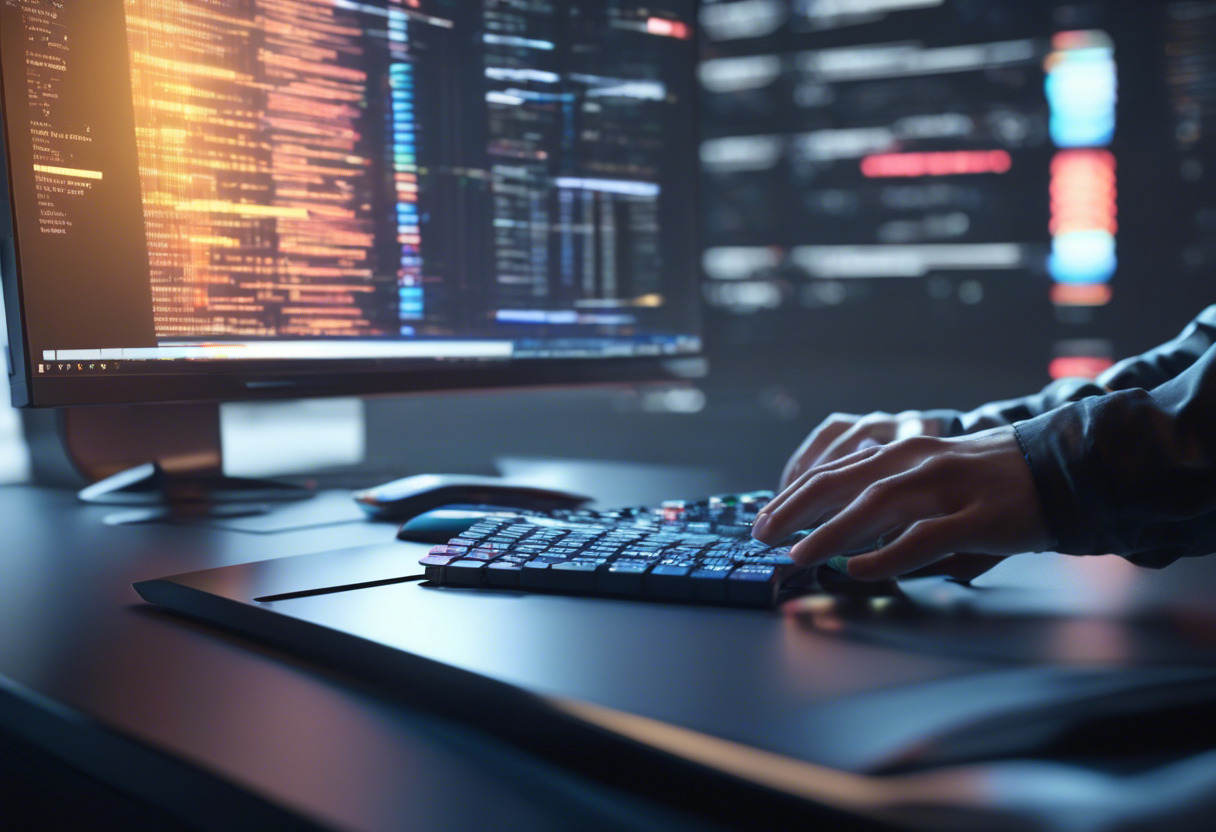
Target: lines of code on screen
{"type": "Point", "coordinates": [391, 168]}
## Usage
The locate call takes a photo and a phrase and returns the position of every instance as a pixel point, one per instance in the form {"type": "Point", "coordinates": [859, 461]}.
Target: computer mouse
{"type": "Point", "coordinates": [439, 525]}
{"type": "Point", "coordinates": [409, 497]}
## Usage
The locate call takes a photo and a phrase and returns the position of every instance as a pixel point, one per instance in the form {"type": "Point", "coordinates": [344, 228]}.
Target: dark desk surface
{"type": "Point", "coordinates": [83, 661]}
{"type": "Point", "coordinates": [84, 664]}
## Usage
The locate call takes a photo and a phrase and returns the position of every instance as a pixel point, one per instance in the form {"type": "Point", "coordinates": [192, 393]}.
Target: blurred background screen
{"type": "Point", "coordinates": [1024, 181]}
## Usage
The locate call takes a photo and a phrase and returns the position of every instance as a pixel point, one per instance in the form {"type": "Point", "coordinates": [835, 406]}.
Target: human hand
{"type": "Point", "coordinates": [923, 498]}
{"type": "Point", "coordinates": [844, 433]}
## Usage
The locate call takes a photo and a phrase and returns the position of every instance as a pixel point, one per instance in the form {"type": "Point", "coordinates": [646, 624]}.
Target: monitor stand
{"type": "Point", "coordinates": [159, 455]}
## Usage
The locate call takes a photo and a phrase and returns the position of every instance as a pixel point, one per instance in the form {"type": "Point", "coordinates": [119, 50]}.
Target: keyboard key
{"type": "Point", "coordinates": [438, 560]}
{"type": "Point", "coordinates": [465, 572]}
{"type": "Point", "coordinates": [641, 555]}
{"type": "Point", "coordinates": [681, 553]}
{"type": "Point", "coordinates": [674, 510]}
{"type": "Point", "coordinates": [709, 582]}
{"type": "Point", "coordinates": [752, 586]}
{"type": "Point", "coordinates": [669, 582]}
{"type": "Point", "coordinates": [697, 541]}
{"type": "Point", "coordinates": [574, 577]}
{"type": "Point", "coordinates": [530, 575]}
{"type": "Point", "coordinates": [753, 572]}
{"type": "Point", "coordinates": [778, 558]}
{"type": "Point", "coordinates": [594, 563]}
{"type": "Point", "coordinates": [503, 573]}
{"type": "Point", "coordinates": [621, 578]}
{"type": "Point", "coordinates": [558, 578]}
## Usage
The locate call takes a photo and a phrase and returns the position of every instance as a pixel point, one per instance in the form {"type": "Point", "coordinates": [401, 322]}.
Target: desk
{"type": "Point", "coordinates": [235, 731]}
{"type": "Point", "coordinates": [100, 680]}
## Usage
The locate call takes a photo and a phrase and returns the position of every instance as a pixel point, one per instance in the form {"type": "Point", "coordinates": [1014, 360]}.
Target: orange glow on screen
{"type": "Point", "coordinates": [1083, 192]}
{"type": "Point", "coordinates": [943, 163]}
{"type": "Point", "coordinates": [668, 28]}
{"type": "Point", "coordinates": [1081, 294]}
{"type": "Point", "coordinates": [1079, 366]}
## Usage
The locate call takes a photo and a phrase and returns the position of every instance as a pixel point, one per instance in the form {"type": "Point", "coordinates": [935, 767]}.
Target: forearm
{"type": "Point", "coordinates": [1005, 413]}
{"type": "Point", "coordinates": [1146, 371]}
{"type": "Point", "coordinates": [1131, 472]}
{"type": "Point", "coordinates": [1168, 361]}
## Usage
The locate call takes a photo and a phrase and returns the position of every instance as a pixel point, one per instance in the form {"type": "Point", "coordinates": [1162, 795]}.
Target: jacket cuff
{"type": "Point", "coordinates": [1051, 449]}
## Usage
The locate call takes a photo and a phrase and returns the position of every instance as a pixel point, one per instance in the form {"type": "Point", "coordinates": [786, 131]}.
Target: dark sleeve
{"type": "Point", "coordinates": [1159, 365]}
{"type": "Point", "coordinates": [1131, 472]}
{"type": "Point", "coordinates": [1004, 414]}
{"type": "Point", "coordinates": [1152, 369]}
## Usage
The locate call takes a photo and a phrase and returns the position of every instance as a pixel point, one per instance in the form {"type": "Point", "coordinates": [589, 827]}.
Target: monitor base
{"type": "Point", "coordinates": [150, 485]}
{"type": "Point", "coordinates": [159, 455]}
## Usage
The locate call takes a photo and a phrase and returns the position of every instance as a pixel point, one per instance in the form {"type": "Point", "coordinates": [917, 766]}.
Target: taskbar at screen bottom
{"type": "Point", "coordinates": [106, 381]}
{"type": "Point", "coordinates": [172, 356]}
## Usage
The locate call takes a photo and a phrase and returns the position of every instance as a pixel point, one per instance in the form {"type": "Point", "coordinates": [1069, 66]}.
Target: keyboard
{"type": "Point", "coordinates": [699, 552]}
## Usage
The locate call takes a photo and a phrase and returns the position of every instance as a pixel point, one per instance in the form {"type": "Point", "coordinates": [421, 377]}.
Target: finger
{"type": "Point", "coordinates": [897, 457]}
{"type": "Point", "coordinates": [815, 444]}
{"type": "Point", "coordinates": [814, 496]}
{"type": "Point", "coordinates": [883, 508]}
{"type": "Point", "coordinates": [925, 542]}
{"type": "Point", "coordinates": [807, 475]}
{"type": "Point", "coordinates": [878, 432]}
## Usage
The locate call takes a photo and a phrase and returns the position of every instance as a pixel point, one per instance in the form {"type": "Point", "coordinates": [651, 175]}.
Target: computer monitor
{"type": "Point", "coordinates": [212, 200]}
{"type": "Point", "coordinates": [1022, 180]}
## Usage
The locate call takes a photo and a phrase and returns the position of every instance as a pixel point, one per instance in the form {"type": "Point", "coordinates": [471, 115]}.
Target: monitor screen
{"type": "Point", "coordinates": [1027, 180]}
{"type": "Point", "coordinates": [264, 190]}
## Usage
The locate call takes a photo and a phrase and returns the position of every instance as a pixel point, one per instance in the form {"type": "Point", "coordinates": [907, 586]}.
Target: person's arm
{"type": "Point", "coordinates": [1168, 361]}
{"type": "Point", "coordinates": [842, 434]}
{"type": "Point", "coordinates": [1130, 473]}
{"type": "Point", "coordinates": [1133, 472]}
{"type": "Point", "coordinates": [1146, 371]}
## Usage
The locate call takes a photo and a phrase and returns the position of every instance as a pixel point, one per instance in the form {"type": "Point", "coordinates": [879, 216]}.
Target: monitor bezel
{"type": "Point", "coordinates": [315, 378]}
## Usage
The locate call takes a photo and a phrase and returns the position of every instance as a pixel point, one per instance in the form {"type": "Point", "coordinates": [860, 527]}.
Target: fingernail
{"type": "Point", "coordinates": [760, 524]}
{"type": "Point", "coordinates": [802, 553]}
